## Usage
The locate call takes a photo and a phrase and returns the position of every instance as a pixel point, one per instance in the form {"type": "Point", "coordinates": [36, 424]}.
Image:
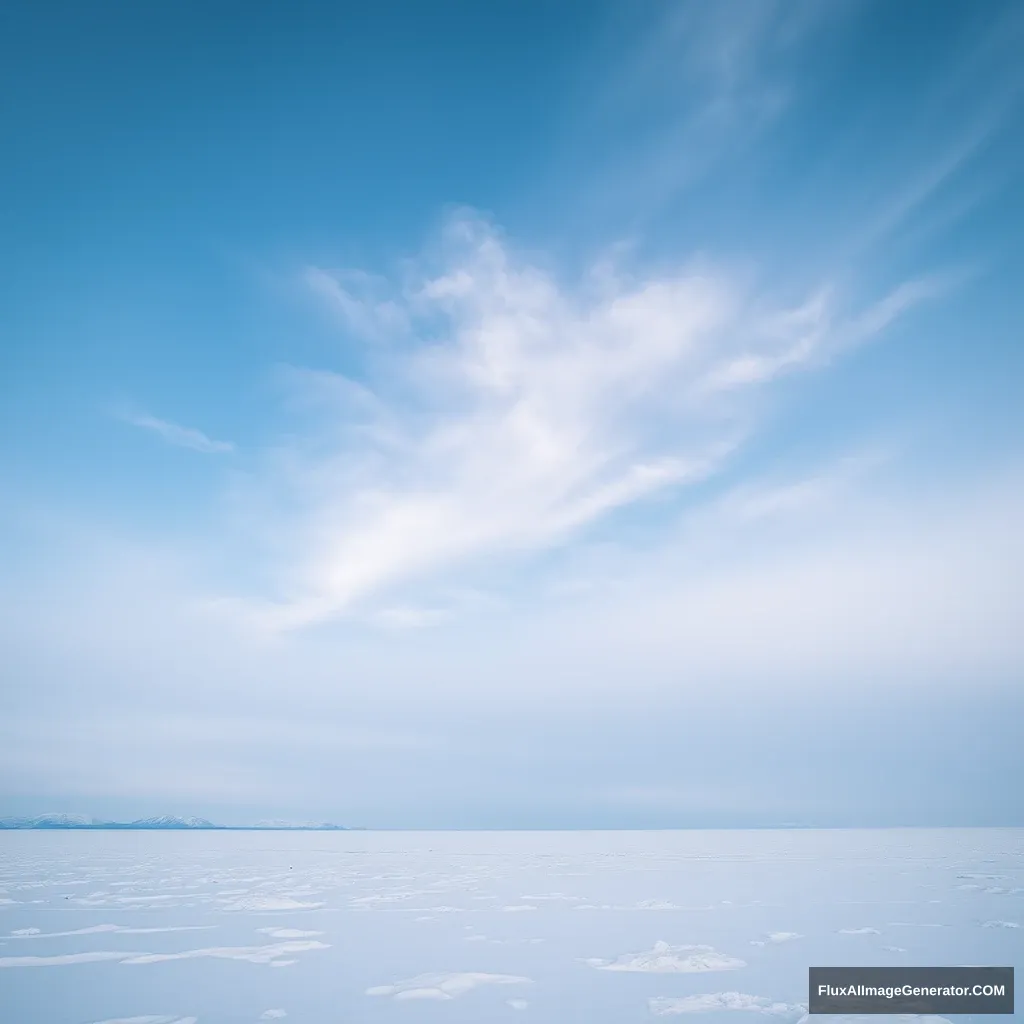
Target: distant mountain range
{"type": "Point", "coordinates": [164, 822]}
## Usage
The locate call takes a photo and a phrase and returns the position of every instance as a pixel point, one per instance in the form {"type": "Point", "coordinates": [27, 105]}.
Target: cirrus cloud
{"type": "Point", "coordinates": [503, 412]}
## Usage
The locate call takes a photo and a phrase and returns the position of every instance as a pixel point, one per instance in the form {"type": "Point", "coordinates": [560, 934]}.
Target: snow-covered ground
{"type": "Point", "coordinates": [589, 927]}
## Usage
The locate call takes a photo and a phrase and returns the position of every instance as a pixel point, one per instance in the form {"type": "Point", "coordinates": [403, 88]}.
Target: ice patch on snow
{"type": "Point", "coordinates": [107, 929]}
{"type": "Point", "coordinates": [775, 938]}
{"type": "Point", "coordinates": [288, 933]}
{"type": "Point", "coordinates": [150, 1019]}
{"type": "Point", "coordinates": [665, 1006]}
{"type": "Point", "coordinates": [269, 903]}
{"type": "Point", "coordinates": [62, 959]}
{"type": "Point", "coordinates": [269, 954]}
{"type": "Point", "coordinates": [666, 959]}
{"type": "Point", "coordinates": [254, 954]}
{"type": "Point", "coordinates": [443, 986]}
{"type": "Point", "coordinates": [884, 1018]}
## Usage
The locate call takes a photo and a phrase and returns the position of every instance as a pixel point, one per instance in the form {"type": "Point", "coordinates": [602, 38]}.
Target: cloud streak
{"type": "Point", "coordinates": [720, 76]}
{"type": "Point", "coordinates": [177, 435]}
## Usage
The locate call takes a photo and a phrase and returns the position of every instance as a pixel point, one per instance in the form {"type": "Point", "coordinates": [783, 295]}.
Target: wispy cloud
{"type": "Point", "coordinates": [717, 75]}
{"type": "Point", "coordinates": [351, 296]}
{"type": "Point", "coordinates": [177, 435]}
{"type": "Point", "coordinates": [525, 411]}
{"type": "Point", "coordinates": [937, 169]}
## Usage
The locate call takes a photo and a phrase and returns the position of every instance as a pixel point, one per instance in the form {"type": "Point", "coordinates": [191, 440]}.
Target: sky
{"type": "Point", "coordinates": [513, 415]}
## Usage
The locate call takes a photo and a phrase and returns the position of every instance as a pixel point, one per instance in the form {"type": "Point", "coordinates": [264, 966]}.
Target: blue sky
{"type": "Point", "coordinates": [513, 414]}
